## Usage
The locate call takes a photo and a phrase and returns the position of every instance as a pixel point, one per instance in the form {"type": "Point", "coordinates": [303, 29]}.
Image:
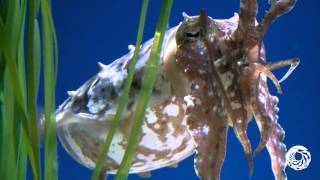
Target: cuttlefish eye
{"type": "Point", "coordinates": [193, 29]}
{"type": "Point", "coordinates": [194, 34]}
{"type": "Point", "coordinates": [189, 33]}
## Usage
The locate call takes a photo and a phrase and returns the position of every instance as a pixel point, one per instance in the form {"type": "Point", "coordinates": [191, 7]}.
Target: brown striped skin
{"type": "Point", "coordinates": [212, 76]}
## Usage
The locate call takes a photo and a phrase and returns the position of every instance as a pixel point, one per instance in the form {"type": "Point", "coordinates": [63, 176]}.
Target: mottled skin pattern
{"type": "Point", "coordinates": [212, 76]}
{"type": "Point", "coordinates": [84, 118]}
{"type": "Point", "coordinates": [224, 62]}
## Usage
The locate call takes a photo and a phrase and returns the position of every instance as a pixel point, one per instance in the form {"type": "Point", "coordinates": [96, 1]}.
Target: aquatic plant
{"type": "Point", "coordinates": [19, 86]}
{"type": "Point", "coordinates": [19, 83]}
{"type": "Point", "coordinates": [147, 86]}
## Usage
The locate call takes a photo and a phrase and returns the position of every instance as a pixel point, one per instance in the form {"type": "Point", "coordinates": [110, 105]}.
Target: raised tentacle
{"type": "Point", "coordinates": [277, 8]}
{"type": "Point", "coordinates": [293, 63]}
{"type": "Point", "coordinates": [259, 68]}
{"type": "Point", "coordinates": [276, 148]}
{"type": "Point", "coordinates": [247, 15]}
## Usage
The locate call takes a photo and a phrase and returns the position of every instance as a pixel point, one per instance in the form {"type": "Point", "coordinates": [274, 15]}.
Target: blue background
{"type": "Point", "coordinates": [99, 30]}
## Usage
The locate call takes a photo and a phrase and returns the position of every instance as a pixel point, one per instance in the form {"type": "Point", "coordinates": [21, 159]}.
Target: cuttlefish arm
{"type": "Point", "coordinates": [275, 146]}
{"type": "Point", "coordinates": [265, 110]}
{"type": "Point", "coordinates": [207, 122]}
{"type": "Point", "coordinates": [210, 137]}
{"type": "Point", "coordinates": [292, 62]}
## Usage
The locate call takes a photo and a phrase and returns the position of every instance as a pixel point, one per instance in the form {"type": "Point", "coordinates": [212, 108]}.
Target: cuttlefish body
{"type": "Point", "coordinates": [213, 75]}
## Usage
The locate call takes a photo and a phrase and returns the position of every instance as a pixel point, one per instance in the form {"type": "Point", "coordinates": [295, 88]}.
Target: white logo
{"type": "Point", "coordinates": [302, 162]}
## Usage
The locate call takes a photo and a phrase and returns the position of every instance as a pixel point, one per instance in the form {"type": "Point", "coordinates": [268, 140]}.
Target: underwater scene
{"type": "Point", "coordinates": [231, 91]}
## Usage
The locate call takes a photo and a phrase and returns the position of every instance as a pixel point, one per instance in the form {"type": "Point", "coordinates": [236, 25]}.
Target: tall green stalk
{"type": "Point", "coordinates": [49, 62]}
{"type": "Point", "coordinates": [19, 84]}
{"type": "Point", "coordinates": [145, 93]}
{"type": "Point", "coordinates": [11, 30]}
{"type": "Point", "coordinates": [123, 98]}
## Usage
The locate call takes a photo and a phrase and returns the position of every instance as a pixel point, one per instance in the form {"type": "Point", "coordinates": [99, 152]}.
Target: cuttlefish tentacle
{"type": "Point", "coordinates": [239, 118]}
{"type": "Point", "coordinates": [264, 107]}
{"type": "Point", "coordinates": [270, 129]}
{"type": "Point", "coordinates": [261, 118]}
{"type": "Point", "coordinates": [247, 15]}
{"type": "Point", "coordinates": [260, 68]}
{"type": "Point", "coordinates": [259, 97]}
{"type": "Point", "coordinates": [240, 129]}
{"type": "Point", "coordinates": [293, 63]}
{"type": "Point", "coordinates": [277, 9]}
{"type": "Point", "coordinates": [275, 146]}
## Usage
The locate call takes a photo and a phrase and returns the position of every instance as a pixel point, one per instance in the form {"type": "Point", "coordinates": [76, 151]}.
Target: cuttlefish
{"type": "Point", "coordinates": [212, 76]}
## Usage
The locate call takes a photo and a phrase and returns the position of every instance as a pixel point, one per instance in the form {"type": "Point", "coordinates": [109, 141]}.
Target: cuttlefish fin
{"type": "Point", "coordinates": [146, 174]}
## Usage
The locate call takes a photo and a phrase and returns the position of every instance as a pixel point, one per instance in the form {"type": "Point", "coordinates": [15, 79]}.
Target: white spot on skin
{"type": "Point", "coordinates": [189, 100]}
{"type": "Point", "coordinates": [151, 140]}
{"type": "Point", "coordinates": [95, 107]}
{"type": "Point", "coordinates": [262, 89]}
{"type": "Point", "coordinates": [214, 109]}
{"type": "Point", "coordinates": [235, 105]}
{"type": "Point", "coordinates": [211, 39]}
{"type": "Point", "coordinates": [149, 158]}
{"type": "Point", "coordinates": [157, 126]}
{"type": "Point", "coordinates": [263, 77]}
{"type": "Point", "coordinates": [173, 142]}
{"type": "Point", "coordinates": [117, 80]}
{"type": "Point", "coordinates": [201, 71]}
{"type": "Point", "coordinates": [219, 62]}
{"type": "Point", "coordinates": [262, 99]}
{"type": "Point", "coordinates": [131, 48]}
{"type": "Point", "coordinates": [171, 110]}
{"type": "Point", "coordinates": [206, 129]}
{"type": "Point", "coordinates": [198, 101]}
{"type": "Point", "coordinates": [59, 116]}
{"type": "Point", "coordinates": [201, 130]}
{"type": "Point", "coordinates": [227, 79]}
{"type": "Point", "coordinates": [117, 151]}
{"type": "Point", "coordinates": [150, 116]}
